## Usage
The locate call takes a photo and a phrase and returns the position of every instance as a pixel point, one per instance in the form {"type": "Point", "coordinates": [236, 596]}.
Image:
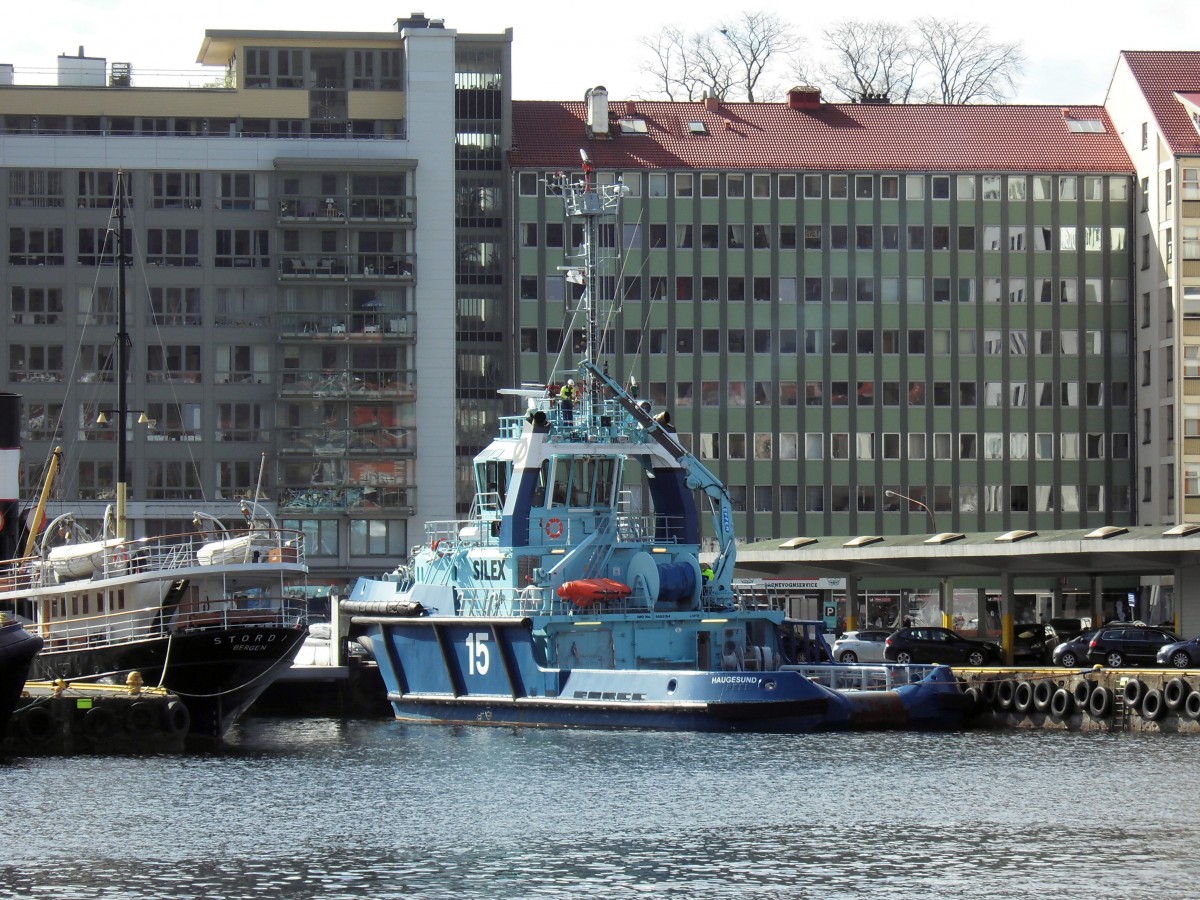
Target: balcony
{"type": "Point", "coordinates": [362, 325]}
{"type": "Point", "coordinates": [366, 208]}
{"type": "Point", "coordinates": [348, 267]}
{"type": "Point", "coordinates": [358, 441]}
{"type": "Point", "coordinates": [364, 384]}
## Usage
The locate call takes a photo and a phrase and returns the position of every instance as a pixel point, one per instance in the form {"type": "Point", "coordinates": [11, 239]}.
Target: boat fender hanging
{"type": "Point", "coordinates": [554, 528]}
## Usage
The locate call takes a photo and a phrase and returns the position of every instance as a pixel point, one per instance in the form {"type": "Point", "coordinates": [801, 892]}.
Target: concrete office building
{"type": "Point", "coordinates": [868, 319]}
{"type": "Point", "coordinates": [303, 284]}
{"type": "Point", "coordinates": [1154, 102]}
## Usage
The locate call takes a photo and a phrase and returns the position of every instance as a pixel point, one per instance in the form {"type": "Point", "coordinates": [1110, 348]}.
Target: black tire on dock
{"type": "Point", "coordinates": [141, 718]}
{"type": "Point", "coordinates": [1191, 706]}
{"type": "Point", "coordinates": [176, 718]}
{"type": "Point", "coordinates": [1153, 707]}
{"type": "Point", "coordinates": [1135, 690]}
{"type": "Point", "coordinates": [1023, 697]}
{"type": "Point", "coordinates": [1175, 694]}
{"type": "Point", "coordinates": [974, 699]}
{"type": "Point", "coordinates": [1100, 703]}
{"type": "Point", "coordinates": [37, 724]}
{"type": "Point", "coordinates": [1062, 704]}
{"type": "Point", "coordinates": [1004, 694]}
{"type": "Point", "coordinates": [99, 723]}
{"type": "Point", "coordinates": [1082, 692]}
{"type": "Point", "coordinates": [988, 691]}
{"type": "Point", "coordinates": [1043, 693]}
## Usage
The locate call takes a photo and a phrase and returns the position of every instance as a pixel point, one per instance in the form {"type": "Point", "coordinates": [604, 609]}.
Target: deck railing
{"type": "Point", "coordinates": [164, 553]}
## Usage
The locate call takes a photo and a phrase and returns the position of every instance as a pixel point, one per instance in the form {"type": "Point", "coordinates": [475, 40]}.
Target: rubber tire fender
{"type": "Point", "coordinates": [1153, 706]}
{"type": "Point", "coordinates": [1005, 691]}
{"type": "Point", "coordinates": [177, 719]}
{"type": "Point", "coordinates": [140, 718]}
{"type": "Point", "coordinates": [1082, 692]}
{"type": "Point", "coordinates": [37, 724]}
{"type": "Point", "coordinates": [1191, 706]}
{"type": "Point", "coordinates": [1175, 694]}
{"type": "Point", "coordinates": [1134, 691]}
{"type": "Point", "coordinates": [99, 723]}
{"type": "Point", "coordinates": [1062, 704]}
{"type": "Point", "coordinates": [1023, 697]}
{"type": "Point", "coordinates": [988, 690]}
{"type": "Point", "coordinates": [1043, 693]}
{"type": "Point", "coordinates": [1100, 703]}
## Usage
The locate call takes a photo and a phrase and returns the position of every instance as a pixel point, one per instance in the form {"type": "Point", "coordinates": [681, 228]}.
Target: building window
{"type": "Point", "coordinates": [173, 247]}
{"type": "Point", "coordinates": [35, 305]}
{"type": "Point", "coordinates": [38, 188]}
{"type": "Point", "coordinates": [242, 248]}
{"type": "Point", "coordinates": [377, 537]}
{"type": "Point", "coordinates": [30, 246]}
{"type": "Point", "coordinates": [35, 362]}
{"type": "Point", "coordinates": [172, 480]}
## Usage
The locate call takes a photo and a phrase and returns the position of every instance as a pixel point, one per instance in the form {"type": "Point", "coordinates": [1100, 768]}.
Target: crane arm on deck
{"type": "Point", "coordinates": [698, 477]}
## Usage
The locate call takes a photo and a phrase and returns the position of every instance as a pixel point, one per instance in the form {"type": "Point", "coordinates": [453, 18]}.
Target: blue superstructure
{"type": "Point", "coordinates": [562, 601]}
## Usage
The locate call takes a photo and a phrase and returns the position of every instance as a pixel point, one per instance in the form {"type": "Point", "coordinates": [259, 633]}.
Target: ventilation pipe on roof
{"type": "Point", "coordinates": [804, 96]}
{"type": "Point", "coordinates": [597, 109]}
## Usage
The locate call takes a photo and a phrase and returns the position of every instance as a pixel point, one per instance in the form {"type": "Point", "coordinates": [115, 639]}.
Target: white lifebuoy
{"type": "Point", "coordinates": [554, 528]}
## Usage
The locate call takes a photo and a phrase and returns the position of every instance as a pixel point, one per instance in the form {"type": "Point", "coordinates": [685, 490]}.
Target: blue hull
{"type": "Point", "coordinates": [485, 671]}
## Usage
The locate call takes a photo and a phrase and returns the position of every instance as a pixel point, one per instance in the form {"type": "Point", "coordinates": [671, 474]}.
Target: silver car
{"type": "Point", "coordinates": [860, 646]}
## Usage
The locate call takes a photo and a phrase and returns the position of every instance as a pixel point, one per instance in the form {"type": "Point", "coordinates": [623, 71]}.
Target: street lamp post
{"type": "Point", "coordinates": [943, 600]}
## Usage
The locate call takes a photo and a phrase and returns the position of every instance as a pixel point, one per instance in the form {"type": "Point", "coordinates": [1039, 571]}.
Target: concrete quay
{"type": "Point", "coordinates": [1099, 699]}
{"type": "Point", "coordinates": [59, 719]}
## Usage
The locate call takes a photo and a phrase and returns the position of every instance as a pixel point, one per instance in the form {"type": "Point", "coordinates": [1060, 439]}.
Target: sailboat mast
{"type": "Point", "coordinates": [122, 361]}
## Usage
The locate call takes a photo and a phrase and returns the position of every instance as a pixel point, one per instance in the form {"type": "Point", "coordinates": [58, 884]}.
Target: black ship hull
{"type": "Point", "coordinates": [217, 672]}
{"type": "Point", "coordinates": [18, 648]}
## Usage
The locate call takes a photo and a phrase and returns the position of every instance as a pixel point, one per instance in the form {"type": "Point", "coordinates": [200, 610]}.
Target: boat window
{"type": "Point", "coordinates": [606, 472]}
{"type": "Point", "coordinates": [581, 482]}
{"type": "Point", "coordinates": [492, 478]}
{"type": "Point", "coordinates": [562, 478]}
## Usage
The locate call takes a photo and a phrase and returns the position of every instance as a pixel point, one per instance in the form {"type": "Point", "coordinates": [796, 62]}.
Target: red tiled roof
{"type": "Point", "coordinates": [831, 137]}
{"type": "Point", "coordinates": [1161, 74]}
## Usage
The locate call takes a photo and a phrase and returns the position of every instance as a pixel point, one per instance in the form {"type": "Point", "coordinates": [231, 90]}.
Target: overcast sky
{"type": "Point", "coordinates": [561, 49]}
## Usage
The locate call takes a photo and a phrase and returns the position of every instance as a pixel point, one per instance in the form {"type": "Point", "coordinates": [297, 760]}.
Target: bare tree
{"type": "Point", "coordinates": [967, 66]}
{"type": "Point", "coordinates": [758, 39]}
{"type": "Point", "coordinates": [871, 61]}
{"type": "Point", "coordinates": [669, 65]}
{"type": "Point", "coordinates": [732, 59]}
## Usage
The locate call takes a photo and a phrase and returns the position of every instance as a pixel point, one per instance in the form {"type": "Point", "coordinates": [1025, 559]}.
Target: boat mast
{"type": "Point", "coordinates": [122, 361]}
{"type": "Point", "coordinates": [590, 201]}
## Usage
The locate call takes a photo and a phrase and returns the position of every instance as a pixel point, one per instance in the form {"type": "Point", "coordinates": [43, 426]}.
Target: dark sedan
{"type": "Point", "coordinates": [1181, 654]}
{"type": "Point", "coordinates": [1120, 645]}
{"type": "Point", "coordinates": [1072, 654]}
{"type": "Point", "coordinates": [939, 645]}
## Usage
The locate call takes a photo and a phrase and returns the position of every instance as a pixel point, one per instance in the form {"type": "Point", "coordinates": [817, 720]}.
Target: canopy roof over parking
{"type": "Point", "coordinates": [1109, 550]}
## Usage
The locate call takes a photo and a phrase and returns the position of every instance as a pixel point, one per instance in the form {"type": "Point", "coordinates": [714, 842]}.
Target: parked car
{"type": "Point", "coordinates": [1120, 645]}
{"type": "Point", "coordinates": [1181, 655]}
{"type": "Point", "coordinates": [1067, 628]}
{"type": "Point", "coordinates": [1033, 642]}
{"type": "Point", "coordinates": [860, 646]}
{"type": "Point", "coordinates": [1072, 654]}
{"type": "Point", "coordinates": [939, 645]}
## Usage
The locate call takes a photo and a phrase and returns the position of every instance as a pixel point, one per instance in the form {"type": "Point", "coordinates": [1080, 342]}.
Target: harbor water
{"type": "Point", "coordinates": [326, 808]}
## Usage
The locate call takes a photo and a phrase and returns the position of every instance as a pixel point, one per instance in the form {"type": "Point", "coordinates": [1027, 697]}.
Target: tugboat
{"type": "Point", "coordinates": [559, 603]}
{"type": "Point", "coordinates": [209, 615]}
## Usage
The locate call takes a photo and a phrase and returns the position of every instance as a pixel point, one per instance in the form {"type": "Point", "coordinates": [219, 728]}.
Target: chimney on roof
{"type": "Point", "coordinates": [597, 110]}
{"type": "Point", "coordinates": [804, 96]}
{"type": "Point", "coordinates": [712, 102]}
{"type": "Point", "coordinates": [414, 20]}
